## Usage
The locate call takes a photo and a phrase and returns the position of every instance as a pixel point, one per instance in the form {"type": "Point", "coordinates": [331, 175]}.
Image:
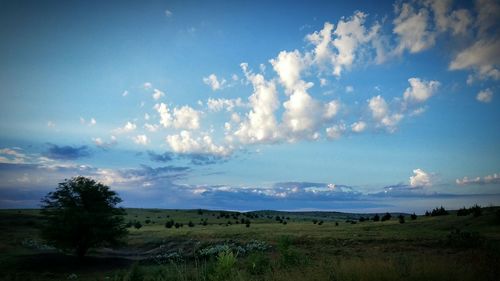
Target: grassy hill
{"type": "Point", "coordinates": [222, 245]}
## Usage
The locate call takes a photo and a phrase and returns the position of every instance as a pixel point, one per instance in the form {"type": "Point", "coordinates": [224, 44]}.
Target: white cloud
{"type": "Point", "coordinates": [105, 144]}
{"type": "Point", "coordinates": [358, 127]}
{"type": "Point", "coordinates": [184, 117]}
{"type": "Point", "coordinates": [217, 105]}
{"type": "Point", "coordinates": [146, 116]}
{"type": "Point", "coordinates": [147, 85]}
{"type": "Point", "coordinates": [125, 93]}
{"type": "Point", "coordinates": [51, 124]}
{"type": "Point", "coordinates": [483, 57]}
{"type": "Point", "coordinates": [141, 139]}
{"type": "Point", "coordinates": [92, 122]}
{"type": "Point", "coordinates": [260, 124]}
{"type": "Point", "coordinates": [335, 131]}
{"type": "Point", "coordinates": [157, 94]}
{"type": "Point", "coordinates": [331, 109]}
{"type": "Point", "coordinates": [349, 89]}
{"type": "Point", "coordinates": [187, 118]}
{"type": "Point", "coordinates": [420, 178]}
{"type": "Point", "coordinates": [185, 143]}
{"type": "Point", "coordinates": [420, 90]}
{"type": "Point", "coordinates": [381, 114]}
{"type": "Point", "coordinates": [214, 82]}
{"type": "Point", "coordinates": [168, 13]}
{"type": "Point", "coordinates": [485, 96]}
{"type": "Point", "coordinates": [151, 127]}
{"type": "Point", "coordinates": [412, 28]}
{"type": "Point", "coordinates": [490, 179]}
{"type": "Point", "coordinates": [288, 66]}
{"type": "Point", "coordinates": [127, 128]}
{"type": "Point", "coordinates": [322, 40]}
{"type": "Point", "coordinates": [303, 113]}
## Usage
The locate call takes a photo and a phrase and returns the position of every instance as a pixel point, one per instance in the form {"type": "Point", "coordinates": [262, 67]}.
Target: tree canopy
{"type": "Point", "coordinates": [82, 214]}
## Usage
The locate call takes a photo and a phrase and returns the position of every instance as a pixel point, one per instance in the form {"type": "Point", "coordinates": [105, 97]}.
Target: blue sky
{"type": "Point", "coordinates": [248, 105]}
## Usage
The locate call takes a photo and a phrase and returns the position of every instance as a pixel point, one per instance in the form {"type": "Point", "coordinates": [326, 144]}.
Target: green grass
{"type": "Point", "coordinates": [416, 250]}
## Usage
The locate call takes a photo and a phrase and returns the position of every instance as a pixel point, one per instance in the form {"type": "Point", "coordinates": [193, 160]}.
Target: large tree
{"type": "Point", "coordinates": [81, 214]}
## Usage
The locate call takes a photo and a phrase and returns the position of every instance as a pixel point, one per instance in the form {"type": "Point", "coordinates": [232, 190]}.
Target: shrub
{"type": "Point", "coordinates": [376, 217]}
{"type": "Point", "coordinates": [191, 224]}
{"type": "Point", "coordinates": [427, 213]}
{"type": "Point", "coordinates": [177, 225]}
{"type": "Point", "coordinates": [137, 225]}
{"type": "Point", "coordinates": [336, 223]}
{"type": "Point", "coordinates": [401, 219]}
{"type": "Point", "coordinates": [386, 217]}
{"type": "Point", "coordinates": [224, 267]}
{"type": "Point", "coordinates": [476, 211]}
{"type": "Point", "coordinates": [463, 212]}
{"type": "Point", "coordinates": [439, 212]}
{"type": "Point", "coordinates": [147, 221]}
{"type": "Point", "coordinates": [315, 221]}
{"type": "Point", "coordinates": [169, 224]}
{"type": "Point", "coordinates": [320, 222]}
{"type": "Point", "coordinates": [136, 273]}
{"type": "Point", "coordinates": [413, 216]}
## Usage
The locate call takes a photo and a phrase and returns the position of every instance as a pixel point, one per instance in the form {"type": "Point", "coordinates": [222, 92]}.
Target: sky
{"type": "Point", "coordinates": [356, 106]}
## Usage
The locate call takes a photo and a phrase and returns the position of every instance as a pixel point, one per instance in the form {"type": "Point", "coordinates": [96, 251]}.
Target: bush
{"type": "Point", "coordinates": [439, 212]}
{"type": "Point", "coordinates": [148, 221]}
{"type": "Point", "coordinates": [177, 225]}
{"type": "Point", "coordinates": [413, 216]}
{"type": "Point", "coordinates": [476, 211]}
{"type": "Point", "coordinates": [320, 222]}
{"type": "Point", "coordinates": [224, 267]}
{"type": "Point", "coordinates": [191, 224]}
{"type": "Point", "coordinates": [336, 223]}
{"type": "Point", "coordinates": [376, 217]}
{"type": "Point", "coordinates": [463, 212]}
{"type": "Point", "coordinates": [136, 273]}
{"type": "Point", "coordinates": [137, 225]}
{"type": "Point", "coordinates": [386, 217]}
{"type": "Point", "coordinates": [401, 219]}
{"type": "Point", "coordinates": [169, 224]}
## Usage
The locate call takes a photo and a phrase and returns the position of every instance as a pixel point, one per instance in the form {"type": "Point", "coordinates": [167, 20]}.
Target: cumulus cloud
{"type": "Point", "coordinates": [151, 127]}
{"type": "Point", "coordinates": [412, 28]}
{"type": "Point", "coordinates": [485, 96]}
{"type": "Point", "coordinates": [141, 139]}
{"type": "Point", "coordinates": [99, 142]}
{"type": "Point", "coordinates": [127, 128]}
{"type": "Point", "coordinates": [147, 85]}
{"type": "Point", "coordinates": [340, 47]}
{"type": "Point", "coordinates": [184, 117]}
{"type": "Point", "coordinates": [382, 115]}
{"type": "Point", "coordinates": [214, 83]}
{"type": "Point", "coordinates": [483, 57]}
{"type": "Point", "coordinates": [157, 94]}
{"type": "Point", "coordinates": [335, 131]}
{"type": "Point", "coordinates": [490, 179]}
{"type": "Point", "coordinates": [168, 13]}
{"type": "Point", "coordinates": [288, 66]}
{"type": "Point", "coordinates": [358, 127]}
{"type": "Point", "coordinates": [420, 90]}
{"type": "Point", "coordinates": [260, 124]}
{"type": "Point", "coordinates": [420, 178]}
{"type": "Point", "coordinates": [216, 105]}
{"type": "Point", "coordinates": [184, 142]}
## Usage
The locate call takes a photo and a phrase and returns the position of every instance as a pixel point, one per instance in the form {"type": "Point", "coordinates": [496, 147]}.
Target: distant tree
{"type": "Point", "coordinates": [177, 225]}
{"type": "Point", "coordinates": [361, 219]}
{"type": "Point", "coordinates": [386, 217]}
{"type": "Point", "coordinates": [148, 221]}
{"type": "Point", "coordinates": [413, 216]}
{"type": "Point", "coordinates": [427, 213]}
{"type": "Point", "coordinates": [81, 214]}
{"type": "Point", "coordinates": [476, 210]}
{"type": "Point", "coordinates": [439, 212]}
{"type": "Point", "coordinates": [401, 219]}
{"type": "Point", "coordinates": [137, 225]}
{"type": "Point", "coordinates": [315, 221]}
{"type": "Point", "coordinates": [200, 212]}
{"type": "Point", "coordinates": [191, 224]}
{"type": "Point", "coordinates": [336, 223]}
{"type": "Point", "coordinates": [169, 224]}
{"type": "Point", "coordinates": [376, 217]}
{"type": "Point", "coordinates": [320, 222]}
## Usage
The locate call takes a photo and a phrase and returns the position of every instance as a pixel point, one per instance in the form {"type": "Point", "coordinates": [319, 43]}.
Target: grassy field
{"type": "Point", "coordinates": [274, 246]}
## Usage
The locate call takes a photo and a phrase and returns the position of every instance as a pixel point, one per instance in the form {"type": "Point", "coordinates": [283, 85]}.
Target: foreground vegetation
{"type": "Point", "coordinates": [267, 245]}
